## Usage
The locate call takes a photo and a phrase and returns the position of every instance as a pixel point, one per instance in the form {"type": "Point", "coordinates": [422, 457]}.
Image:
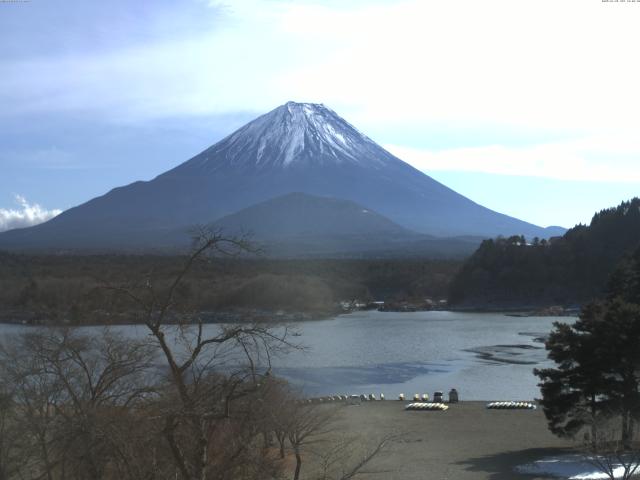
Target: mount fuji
{"type": "Point", "coordinates": [298, 147]}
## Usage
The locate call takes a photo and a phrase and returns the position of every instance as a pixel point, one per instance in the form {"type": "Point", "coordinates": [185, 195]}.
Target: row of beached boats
{"type": "Point", "coordinates": [347, 398]}
{"type": "Point", "coordinates": [493, 405]}
{"type": "Point", "coordinates": [427, 406]}
{"type": "Point", "coordinates": [438, 397]}
{"type": "Point", "coordinates": [420, 401]}
{"type": "Point", "coordinates": [512, 405]}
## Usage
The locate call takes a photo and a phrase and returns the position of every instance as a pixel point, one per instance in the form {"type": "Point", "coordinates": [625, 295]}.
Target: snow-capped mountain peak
{"type": "Point", "coordinates": [298, 147]}
{"type": "Point", "coordinates": [294, 134]}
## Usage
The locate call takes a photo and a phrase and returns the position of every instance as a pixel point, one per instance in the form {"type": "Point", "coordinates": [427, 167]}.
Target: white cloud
{"type": "Point", "coordinates": [600, 158]}
{"type": "Point", "coordinates": [564, 68]}
{"type": "Point", "coordinates": [497, 61]}
{"type": "Point", "coordinates": [27, 215]}
{"type": "Point", "coordinates": [517, 63]}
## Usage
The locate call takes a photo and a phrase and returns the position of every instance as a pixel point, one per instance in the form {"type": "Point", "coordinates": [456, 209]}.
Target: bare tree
{"type": "Point", "coordinates": [203, 403]}
{"type": "Point", "coordinates": [35, 393]}
{"type": "Point", "coordinates": [190, 400]}
{"type": "Point", "coordinates": [10, 437]}
{"type": "Point", "coordinates": [307, 424]}
{"type": "Point", "coordinates": [73, 393]}
{"type": "Point", "coordinates": [307, 430]}
{"type": "Point", "coordinates": [615, 455]}
{"type": "Point", "coordinates": [277, 403]}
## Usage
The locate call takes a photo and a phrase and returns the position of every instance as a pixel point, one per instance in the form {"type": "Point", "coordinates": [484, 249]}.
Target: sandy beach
{"type": "Point", "coordinates": [467, 442]}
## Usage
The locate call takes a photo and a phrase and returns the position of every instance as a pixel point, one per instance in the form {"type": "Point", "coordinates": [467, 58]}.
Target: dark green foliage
{"type": "Point", "coordinates": [69, 288]}
{"type": "Point", "coordinates": [572, 393]}
{"type": "Point", "coordinates": [625, 280]}
{"type": "Point", "coordinates": [568, 270]}
{"type": "Point", "coordinates": [597, 373]}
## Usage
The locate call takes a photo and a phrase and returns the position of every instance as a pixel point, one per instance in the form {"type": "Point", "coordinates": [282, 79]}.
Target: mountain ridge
{"type": "Point", "coordinates": [297, 147]}
{"type": "Point", "coordinates": [297, 213]}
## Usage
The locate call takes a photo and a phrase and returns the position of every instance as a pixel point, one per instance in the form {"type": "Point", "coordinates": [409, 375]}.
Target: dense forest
{"type": "Point", "coordinates": [568, 270]}
{"type": "Point", "coordinates": [79, 289]}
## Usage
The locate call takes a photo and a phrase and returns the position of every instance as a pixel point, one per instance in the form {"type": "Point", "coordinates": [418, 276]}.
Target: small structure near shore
{"type": "Point", "coordinates": [453, 396]}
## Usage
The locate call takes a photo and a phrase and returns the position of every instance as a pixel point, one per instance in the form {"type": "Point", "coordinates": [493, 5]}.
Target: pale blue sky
{"type": "Point", "coordinates": [530, 108]}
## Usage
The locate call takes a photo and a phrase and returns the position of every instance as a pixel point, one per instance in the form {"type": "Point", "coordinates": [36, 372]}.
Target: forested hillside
{"type": "Point", "coordinates": [568, 270]}
{"type": "Point", "coordinates": [75, 288]}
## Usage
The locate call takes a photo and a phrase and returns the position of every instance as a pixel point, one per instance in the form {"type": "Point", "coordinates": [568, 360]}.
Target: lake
{"type": "Point", "coordinates": [485, 356]}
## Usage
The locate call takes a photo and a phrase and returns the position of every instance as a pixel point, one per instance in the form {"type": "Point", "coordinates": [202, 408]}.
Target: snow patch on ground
{"type": "Point", "coordinates": [572, 467]}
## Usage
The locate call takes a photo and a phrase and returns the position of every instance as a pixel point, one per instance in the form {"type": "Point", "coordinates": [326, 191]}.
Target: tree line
{"type": "Point", "coordinates": [69, 288]}
{"type": "Point", "coordinates": [568, 270]}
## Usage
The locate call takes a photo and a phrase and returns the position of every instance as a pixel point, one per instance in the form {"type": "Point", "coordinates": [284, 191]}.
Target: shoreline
{"type": "Point", "coordinates": [530, 311]}
{"type": "Point", "coordinates": [208, 317]}
{"type": "Point", "coordinates": [235, 317]}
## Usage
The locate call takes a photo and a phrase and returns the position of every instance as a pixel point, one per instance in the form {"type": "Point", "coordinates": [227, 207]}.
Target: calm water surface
{"type": "Point", "coordinates": [485, 356]}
